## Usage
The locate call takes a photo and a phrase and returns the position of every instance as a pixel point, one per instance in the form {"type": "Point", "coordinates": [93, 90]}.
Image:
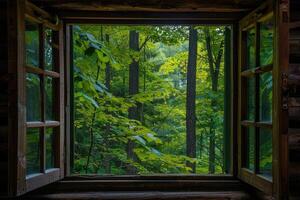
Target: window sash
{"type": "Point", "coordinates": [253, 177]}
{"type": "Point", "coordinates": [20, 182]}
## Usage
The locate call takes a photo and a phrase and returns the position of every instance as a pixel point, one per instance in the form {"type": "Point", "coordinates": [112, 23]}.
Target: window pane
{"type": "Point", "coordinates": [32, 44]}
{"type": "Point", "coordinates": [33, 97]}
{"type": "Point", "coordinates": [266, 42]}
{"type": "Point", "coordinates": [250, 99]}
{"type": "Point", "coordinates": [250, 146]}
{"type": "Point", "coordinates": [48, 49]}
{"type": "Point", "coordinates": [32, 151]}
{"type": "Point", "coordinates": [265, 152]}
{"type": "Point", "coordinates": [50, 147]}
{"type": "Point", "coordinates": [49, 98]}
{"type": "Point", "coordinates": [250, 54]}
{"type": "Point", "coordinates": [265, 90]}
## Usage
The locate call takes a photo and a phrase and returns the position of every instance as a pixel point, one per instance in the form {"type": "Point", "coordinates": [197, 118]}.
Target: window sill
{"type": "Point", "coordinates": [147, 183]}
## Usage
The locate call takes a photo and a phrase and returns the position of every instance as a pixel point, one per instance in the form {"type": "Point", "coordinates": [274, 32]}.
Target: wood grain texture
{"type": "Point", "coordinates": [151, 5]}
{"type": "Point", "coordinates": [3, 100]}
{"type": "Point", "coordinates": [221, 195]}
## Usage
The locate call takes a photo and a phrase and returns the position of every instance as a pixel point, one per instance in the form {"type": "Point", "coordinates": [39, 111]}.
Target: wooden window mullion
{"type": "Point", "coordinates": [257, 101]}
{"type": "Point", "coordinates": [43, 98]}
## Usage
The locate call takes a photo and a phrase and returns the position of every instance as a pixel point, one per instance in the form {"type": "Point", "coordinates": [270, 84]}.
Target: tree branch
{"type": "Point", "coordinates": [144, 43]}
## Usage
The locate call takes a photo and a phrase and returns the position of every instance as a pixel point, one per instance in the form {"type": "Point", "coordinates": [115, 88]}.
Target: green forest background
{"type": "Point", "coordinates": [130, 99]}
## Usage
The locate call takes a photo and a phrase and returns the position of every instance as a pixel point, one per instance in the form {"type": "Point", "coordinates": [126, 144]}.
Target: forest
{"type": "Point", "coordinates": [149, 99]}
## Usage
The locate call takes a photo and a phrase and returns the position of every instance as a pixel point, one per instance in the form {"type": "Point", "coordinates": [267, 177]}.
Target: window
{"type": "Point", "coordinates": [149, 99]}
{"type": "Point", "coordinates": [257, 103]}
{"type": "Point", "coordinates": [43, 120]}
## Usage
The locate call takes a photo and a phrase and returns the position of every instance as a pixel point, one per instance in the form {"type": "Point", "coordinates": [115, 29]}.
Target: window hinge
{"type": "Point", "coordinates": [285, 91]}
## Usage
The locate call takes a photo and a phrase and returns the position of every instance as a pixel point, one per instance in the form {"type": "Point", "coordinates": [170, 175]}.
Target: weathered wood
{"type": "Point", "coordinates": [281, 63]}
{"type": "Point", "coordinates": [144, 185]}
{"type": "Point", "coordinates": [264, 12]}
{"type": "Point", "coordinates": [151, 5]}
{"type": "Point", "coordinates": [221, 195]}
{"type": "Point", "coordinates": [16, 96]}
{"type": "Point", "coordinates": [3, 99]}
{"type": "Point", "coordinates": [138, 17]}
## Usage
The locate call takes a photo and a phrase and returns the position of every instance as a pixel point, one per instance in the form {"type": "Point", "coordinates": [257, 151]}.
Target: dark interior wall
{"type": "Point", "coordinates": [3, 99]}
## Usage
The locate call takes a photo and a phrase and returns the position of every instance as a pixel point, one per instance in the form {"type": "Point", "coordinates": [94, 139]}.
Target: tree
{"type": "Point", "coordinates": [214, 70]}
{"type": "Point", "coordinates": [133, 89]}
{"type": "Point", "coordinates": [190, 96]}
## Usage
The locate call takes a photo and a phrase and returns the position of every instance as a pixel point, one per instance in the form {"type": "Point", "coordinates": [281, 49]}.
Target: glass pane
{"type": "Point", "coordinates": [250, 99]}
{"type": "Point", "coordinates": [49, 98]}
{"type": "Point", "coordinates": [50, 148]}
{"type": "Point", "coordinates": [32, 151]}
{"type": "Point", "coordinates": [250, 146]}
{"type": "Point", "coordinates": [265, 91]}
{"type": "Point", "coordinates": [250, 54]}
{"type": "Point", "coordinates": [266, 42]}
{"type": "Point", "coordinates": [32, 44]}
{"type": "Point", "coordinates": [265, 152]}
{"type": "Point", "coordinates": [48, 50]}
{"type": "Point", "coordinates": [33, 97]}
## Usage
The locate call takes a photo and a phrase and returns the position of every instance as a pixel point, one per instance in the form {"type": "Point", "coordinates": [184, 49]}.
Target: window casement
{"type": "Point", "coordinates": [255, 127]}
{"type": "Point", "coordinates": [38, 93]}
{"type": "Point", "coordinates": [41, 138]}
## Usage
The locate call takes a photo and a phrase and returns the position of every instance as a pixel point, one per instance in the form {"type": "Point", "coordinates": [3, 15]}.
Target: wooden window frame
{"type": "Point", "coordinates": [119, 19]}
{"type": "Point", "coordinates": [19, 181]}
{"type": "Point", "coordinates": [254, 178]}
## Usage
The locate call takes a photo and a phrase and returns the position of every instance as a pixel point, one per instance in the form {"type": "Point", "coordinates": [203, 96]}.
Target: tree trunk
{"type": "Point", "coordinates": [91, 128]}
{"type": "Point", "coordinates": [106, 161]}
{"type": "Point", "coordinates": [133, 89]}
{"type": "Point", "coordinates": [214, 69]}
{"type": "Point", "coordinates": [190, 102]}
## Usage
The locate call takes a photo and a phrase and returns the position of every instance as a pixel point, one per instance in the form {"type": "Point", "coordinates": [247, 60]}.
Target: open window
{"type": "Point", "coordinates": [256, 155]}
{"type": "Point", "coordinates": [251, 117]}
{"type": "Point", "coordinates": [41, 99]}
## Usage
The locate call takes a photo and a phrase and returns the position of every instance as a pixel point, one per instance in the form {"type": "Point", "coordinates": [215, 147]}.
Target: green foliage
{"type": "Point", "coordinates": [102, 126]}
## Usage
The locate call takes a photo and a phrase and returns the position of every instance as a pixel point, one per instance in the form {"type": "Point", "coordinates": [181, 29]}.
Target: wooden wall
{"type": "Point", "coordinates": [294, 99]}
{"type": "Point", "coordinates": [3, 99]}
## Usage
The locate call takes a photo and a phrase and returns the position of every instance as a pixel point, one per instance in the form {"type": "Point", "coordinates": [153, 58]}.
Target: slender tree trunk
{"type": "Point", "coordinates": [144, 88]}
{"type": "Point", "coordinates": [106, 161]}
{"type": "Point", "coordinates": [214, 69]}
{"type": "Point", "coordinates": [191, 97]}
{"type": "Point", "coordinates": [133, 89]}
{"type": "Point", "coordinates": [91, 129]}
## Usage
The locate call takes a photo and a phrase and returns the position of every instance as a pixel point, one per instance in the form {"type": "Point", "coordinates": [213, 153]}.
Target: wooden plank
{"type": "Point", "coordinates": [294, 141]}
{"type": "Point", "coordinates": [42, 124]}
{"type": "Point", "coordinates": [139, 17]}
{"type": "Point", "coordinates": [36, 70]}
{"type": "Point", "coordinates": [34, 19]}
{"type": "Point", "coordinates": [4, 78]}
{"type": "Point", "coordinates": [37, 180]}
{"type": "Point", "coordinates": [234, 100]}
{"type": "Point", "coordinates": [293, 25]}
{"type": "Point", "coordinates": [60, 152]}
{"type": "Point", "coordinates": [257, 70]}
{"type": "Point", "coordinates": [146, 185]}
{"type": "Point", "coordinates": [220, 195]}
{"type": "Point", "coordinates": [280, 116]}
{"type": "Point", "coordinates": [152, 5]}
{"type": "Point", "coordinates": [42, 130]}
{"type": "Point", "coordinates": [16, 96]}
